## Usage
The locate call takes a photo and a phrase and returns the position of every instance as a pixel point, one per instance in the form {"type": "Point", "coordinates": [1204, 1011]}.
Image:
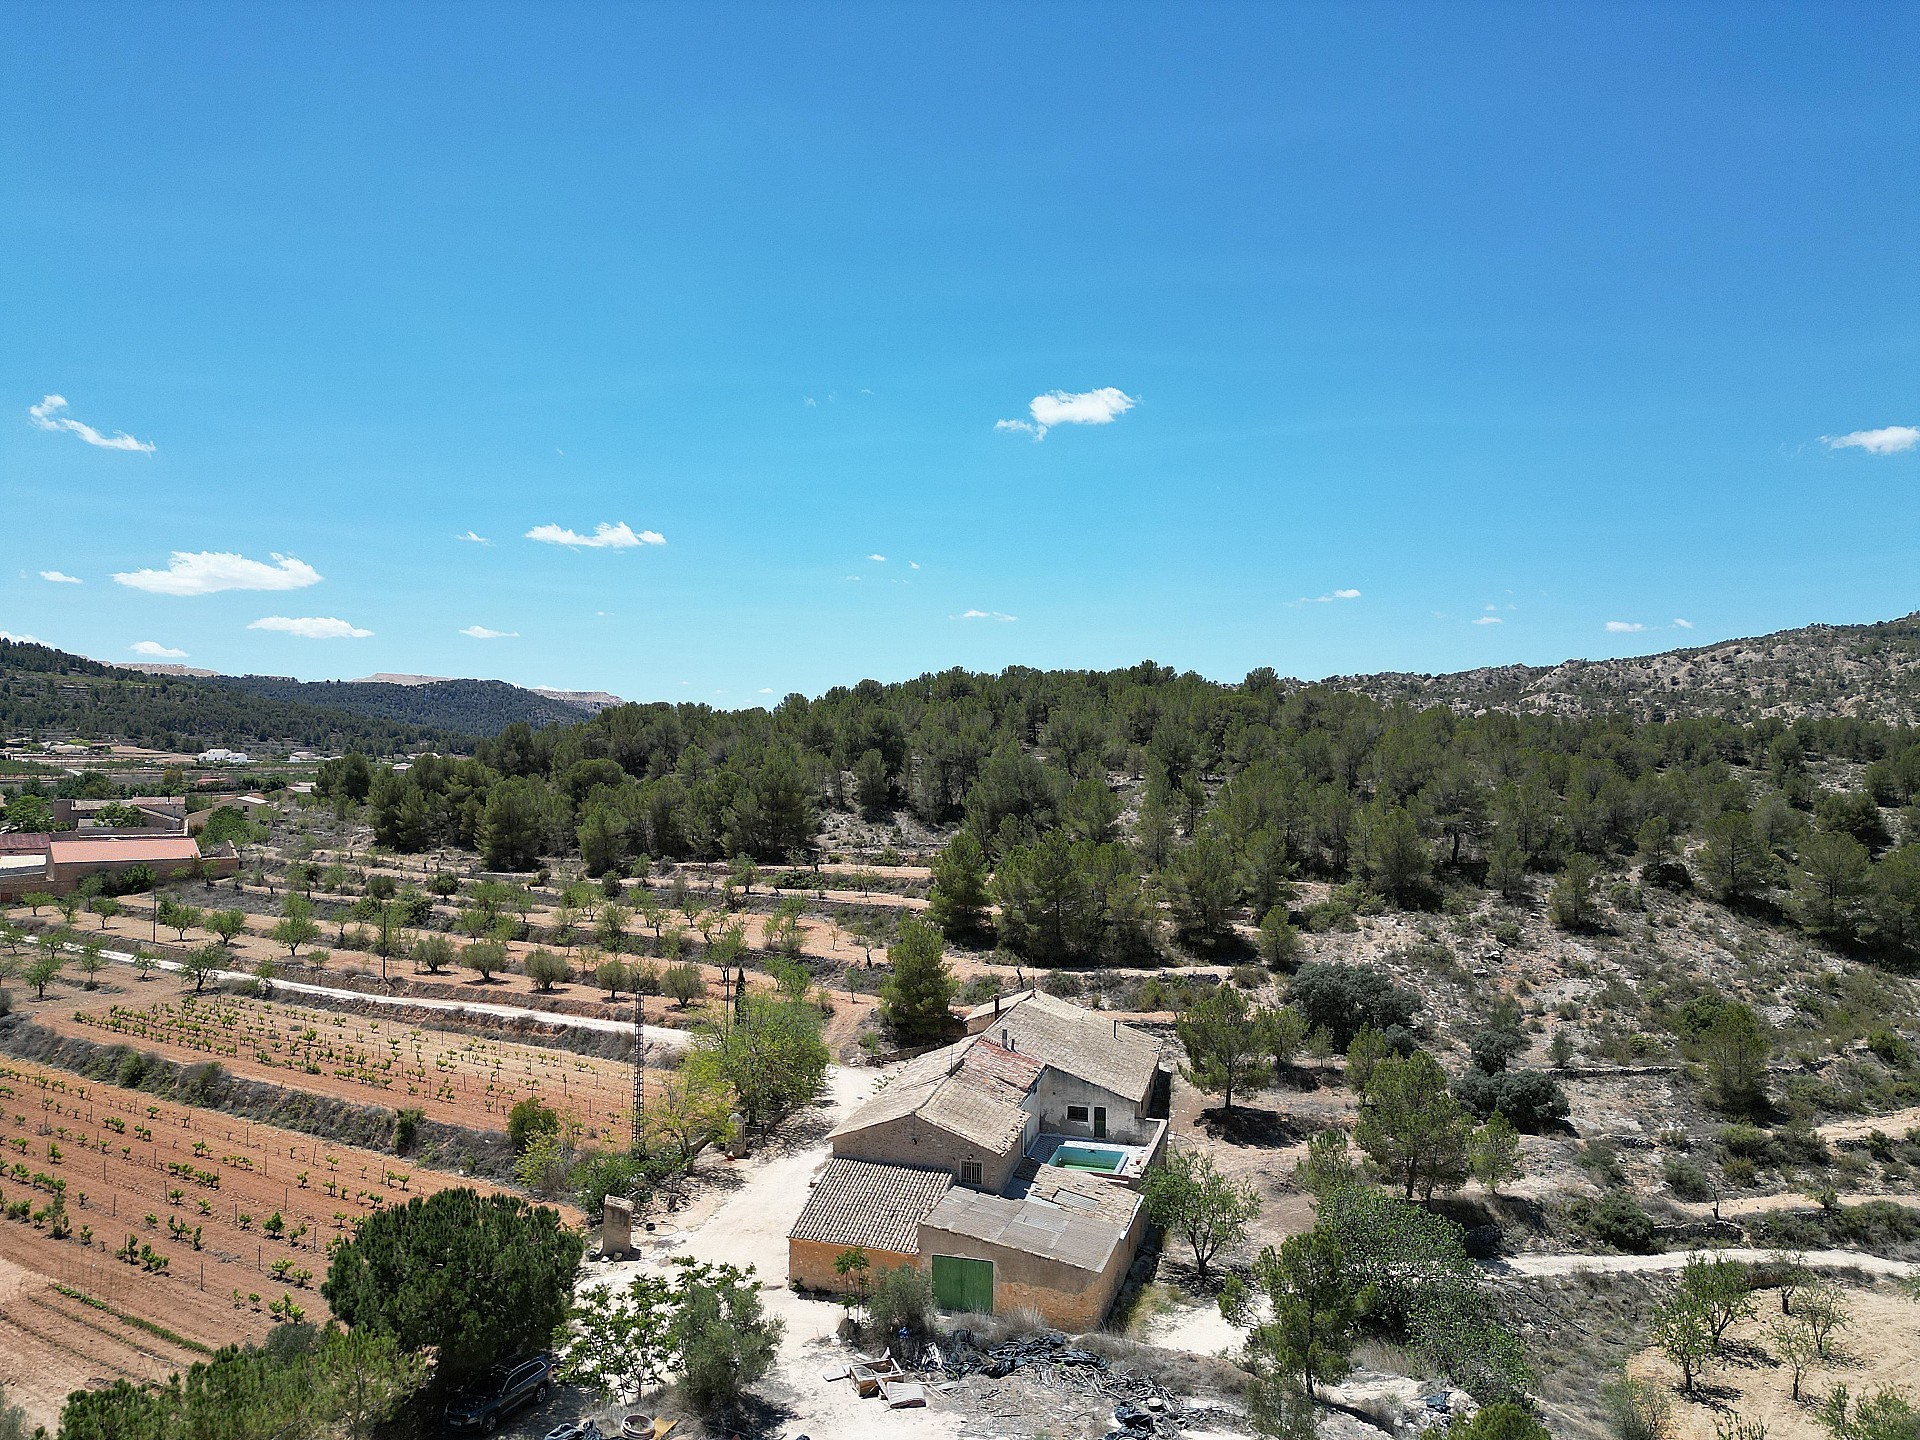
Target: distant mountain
{"type": "Point", "coordinates": [49, 693]}
{"type": "Point", "coordinates": [591, 701]}
{"type": "Point", "coordinates": [1868, 671]}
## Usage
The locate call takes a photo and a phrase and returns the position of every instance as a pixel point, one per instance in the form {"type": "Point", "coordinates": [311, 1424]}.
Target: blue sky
{"type": "Point", "coordinates": [1401, 321]}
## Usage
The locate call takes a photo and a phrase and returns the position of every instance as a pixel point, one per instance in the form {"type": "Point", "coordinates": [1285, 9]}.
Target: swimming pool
{"type": "Point", "coordinates": [1103, 1158]}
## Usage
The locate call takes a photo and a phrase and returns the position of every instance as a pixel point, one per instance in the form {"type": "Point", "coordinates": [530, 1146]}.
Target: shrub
{"type": "Point", "coordinates": [1747, 1142]}
{"type": "Point", "coordinates": [1531, 1099]}
{"type": "Point", "coordinates": [406, 1128]}
{"type": "Point", "coordinates": [1502, 1420]}
{"type": "Point", "coordinates": [902, 1299]}
{"type": "Point", "coordinates": [1687, 1178]}
{"type": "Point", "coordinates": [1616, 1219]}
{"type": "Point", "coordinates": [1343, 1000]}
{"type": "Point", "coordinates": [1639, 1409]}
{"type": "Point", "coordinates": [528, 1118]}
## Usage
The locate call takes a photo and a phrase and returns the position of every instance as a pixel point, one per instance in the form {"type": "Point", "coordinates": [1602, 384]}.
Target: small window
{"type": "Point", "coordinates": [969, 1172]}
{"type": "Point", "coordinates": [1077, 1115]}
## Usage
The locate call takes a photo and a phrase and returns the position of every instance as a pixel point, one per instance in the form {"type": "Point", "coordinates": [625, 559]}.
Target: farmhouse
{"type": "Point", "coordinates": [156, 813]}
{"type": "Point", "coordinates": [1007, 1165]}
{"type": "Point", "coordinates": [57, 863]}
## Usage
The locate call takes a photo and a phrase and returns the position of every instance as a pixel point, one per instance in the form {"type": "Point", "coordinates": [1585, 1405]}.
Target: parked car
{"type": "Point", "coordinates": [502, 1390]}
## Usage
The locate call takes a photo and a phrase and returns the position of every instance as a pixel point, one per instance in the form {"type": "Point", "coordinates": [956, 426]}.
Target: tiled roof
{"type": "Point", "coordinates": [879, 1207]}
{"type": "Point", "coordinates": [972, 1089]}
{"type": "Point", "coordinates": [1082, 1043]}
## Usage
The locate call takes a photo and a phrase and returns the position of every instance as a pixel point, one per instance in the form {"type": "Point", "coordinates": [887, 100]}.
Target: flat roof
{"type": "Point", "coordinates": [112, 850]}
{"type": "Point", "coordinates": [1076, 1225]}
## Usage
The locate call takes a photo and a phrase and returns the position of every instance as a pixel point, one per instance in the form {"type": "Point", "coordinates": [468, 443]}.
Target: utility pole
{"type": "Point", "coordinates": [639, 1075]}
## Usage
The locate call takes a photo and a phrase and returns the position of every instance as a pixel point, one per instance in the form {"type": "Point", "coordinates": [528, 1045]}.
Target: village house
{"type": "Point", "coordinates": [1007, 1165]}
{"type": "Point", "coordinates": [57, 863]}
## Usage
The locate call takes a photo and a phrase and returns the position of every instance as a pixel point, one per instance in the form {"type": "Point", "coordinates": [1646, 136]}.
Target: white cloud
{"type": "Point", "coordinates": [878, 559]}
{"type": "Point", "coordinates": [311, 627]}
{"type": "Point", "coordinates": [19, 639]}
{"type": "Point", "coordinates": [1488, 620]}
{"type": "Point", "coordinates": [46, 415]}
{"type": "Point", "coordinates": [481, 632]}
{"type": "Point", "coordinates": [473, 539]}
{"type": "Point", "coordinates": [1683, 624]}
{"type": "Point", "coordinates": [985, 615]}
{"type": "Point", "coordinates": [1887, 440]}
{"type": "Point", "coordinates": [154, 650]}
{"type": "Point", "coordinates": [765, 690]}
{"type": "Point", "coordinates": [1058, 407]}
{"type": "Point", "coordinates": [1624, 627]}
{"type": "Point", "coordinates": [59, 577]}
{"type": "Point", "coordinates": [605, 537]}
{"type": "Point", "coordinates": [1328, 598]}
{"type": "Point", "coordinates": [913, 564]}
{"type": "Point", "coordinates": [206, 572]}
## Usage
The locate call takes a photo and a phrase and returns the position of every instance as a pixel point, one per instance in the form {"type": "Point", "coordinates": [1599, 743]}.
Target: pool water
{"type": "Point", "coordinates": [1089, 1157]}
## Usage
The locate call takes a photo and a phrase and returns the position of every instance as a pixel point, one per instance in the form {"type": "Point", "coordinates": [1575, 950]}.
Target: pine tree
{"type": "Point", "coordinates": [917, 994]}
{"type": "Point", "coordinates": [958, 902]}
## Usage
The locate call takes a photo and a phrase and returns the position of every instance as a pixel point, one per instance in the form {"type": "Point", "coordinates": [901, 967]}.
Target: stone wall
{"type": "Point", "coordinates": [810, 1264]}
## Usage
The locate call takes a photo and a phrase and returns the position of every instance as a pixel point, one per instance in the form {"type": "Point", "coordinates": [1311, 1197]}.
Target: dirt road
{"type": "Point", "coordinates": [1677, 1259]}
{"type": "Point", "coordinates": [659, 1034]}
{"type": "Point", "coordinates": [748, 1225]}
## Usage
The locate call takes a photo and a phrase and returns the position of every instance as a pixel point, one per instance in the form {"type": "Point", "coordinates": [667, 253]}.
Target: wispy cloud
{"type": "Point", "coordinates": [19, 639]}
{"type": "Point", "coordinates": [878, 559]}
{"type": "Point", "coordinates": [764, 690]}
{"type": "Point", "coordinates": [46, 415]}
{"type": "Point", "coordinates": [481, 632]}
{"type": "Point", "coordinates": [1328, 598]}
{"type": "Point", "coordinates": [604, 537]}
{"type": "Point", "coordinates": [154, 650]}
{"type": "Point", "coordinates": [1058, 407]}
{"type": "Point", "coordinates": [59, 577]}
{"type": "Point", "coordinates": [1488, 620]}
{"type": "Point", "coordinates": [913, 564]}
{"type": "Point", "coordinates": [311, 627]}
{"type": "Point", "coordinates": [1635, 627]}
{"type": "Point", "coordinates": [473, 539]}
{"type": "Point", "coordinates": [206, 572]}
{"type": "Point", "coordinates": [1887, 440]}
{"type": "Point", "coordinates": [986, 615]}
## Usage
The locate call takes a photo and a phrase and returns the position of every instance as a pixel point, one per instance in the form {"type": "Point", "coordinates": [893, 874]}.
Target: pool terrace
{"type": "Point", "coordinates": [1106, 1159]}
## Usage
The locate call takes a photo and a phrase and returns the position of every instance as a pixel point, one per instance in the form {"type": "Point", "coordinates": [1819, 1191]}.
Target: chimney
{"type": "Point", "coordinates": [1006, 1038]}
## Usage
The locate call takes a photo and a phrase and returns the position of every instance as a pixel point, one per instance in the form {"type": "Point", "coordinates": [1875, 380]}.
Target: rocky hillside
{"type": "Point", "coordinates": [1868, 671]}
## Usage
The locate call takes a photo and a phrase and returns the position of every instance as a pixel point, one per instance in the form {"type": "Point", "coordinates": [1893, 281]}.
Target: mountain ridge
{"type": "Point", "coordinates": [1868, 672]}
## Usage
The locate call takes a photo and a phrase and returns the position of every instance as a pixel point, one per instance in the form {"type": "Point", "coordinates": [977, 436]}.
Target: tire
{"type": "Point", "coordinates": [493, 1423]}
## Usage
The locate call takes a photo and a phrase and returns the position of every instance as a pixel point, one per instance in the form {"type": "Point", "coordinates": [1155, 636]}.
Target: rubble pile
{"type": "Point", "coordinates": [1143, 1408]}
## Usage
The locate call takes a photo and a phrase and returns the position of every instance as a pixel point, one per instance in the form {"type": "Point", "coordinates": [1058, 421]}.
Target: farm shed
{"type": "Point", "coordinates": [854, 1203]}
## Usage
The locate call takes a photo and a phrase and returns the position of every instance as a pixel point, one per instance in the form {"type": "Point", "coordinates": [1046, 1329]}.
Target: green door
{"type": "Point", "coordinates": [963, 1284]}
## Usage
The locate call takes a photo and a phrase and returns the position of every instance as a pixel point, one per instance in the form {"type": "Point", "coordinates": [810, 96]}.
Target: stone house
{"type": "Point", "coordinates": [1007, 1165]}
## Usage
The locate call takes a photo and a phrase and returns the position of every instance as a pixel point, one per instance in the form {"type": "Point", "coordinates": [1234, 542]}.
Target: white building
{"type": "Point", "coordinates": [222, 757]}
